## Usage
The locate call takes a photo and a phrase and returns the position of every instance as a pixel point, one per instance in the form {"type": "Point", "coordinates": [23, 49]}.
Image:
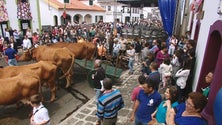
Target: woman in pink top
{"type": "Point", "coordinates": [162, 54]}
{"type": "Point", "coordinates": [35, 38]}
{"type": "Point", "coordinates": [141, 80]}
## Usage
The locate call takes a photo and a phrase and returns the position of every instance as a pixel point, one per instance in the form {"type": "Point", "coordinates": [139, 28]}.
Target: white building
{"type": "Point", "coordinates": [21, 14]}
{"type": "Point", "coordinates": [119, 12]}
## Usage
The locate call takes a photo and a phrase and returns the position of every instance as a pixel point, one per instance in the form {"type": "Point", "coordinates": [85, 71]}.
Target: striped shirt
{"type": "Point", "coordinates": [109, 104]}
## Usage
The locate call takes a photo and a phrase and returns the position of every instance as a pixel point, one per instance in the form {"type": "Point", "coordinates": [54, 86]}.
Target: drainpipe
{"type": "Point", "coordinates": [177, 20]}
{"type": "Point", "coordinates": [39, 16]}
{"type": "Point", "coordinates": [185, 18]}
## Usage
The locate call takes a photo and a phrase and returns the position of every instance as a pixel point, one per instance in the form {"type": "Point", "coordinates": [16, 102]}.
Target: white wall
{"type": "Point", "coordinates": [34, 11]}
{"type": "Point", "coordinates": [210, 16]}
{"type": "Point", "coordinates": [109, 17]}
{"type": "Point", "coordinates": [47, 13]}
{"type": "Point", "coordinates": [12, 13]}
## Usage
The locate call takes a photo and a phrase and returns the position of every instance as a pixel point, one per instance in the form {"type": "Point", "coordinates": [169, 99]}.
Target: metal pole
{"type": "Point", "coordinates": [65, 12]}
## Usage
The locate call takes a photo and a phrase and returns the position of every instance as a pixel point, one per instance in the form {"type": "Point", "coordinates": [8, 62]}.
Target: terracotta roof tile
{"type": "Point", "coordinates": [74, 5]}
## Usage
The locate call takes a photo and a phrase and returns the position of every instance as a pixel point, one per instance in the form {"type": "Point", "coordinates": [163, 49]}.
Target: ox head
{"type": "Point", "coordinates": [26, 56]}
{"type": "Point", "coordinates": [91, 51]}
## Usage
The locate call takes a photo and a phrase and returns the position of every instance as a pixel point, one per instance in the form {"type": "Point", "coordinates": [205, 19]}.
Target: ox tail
{"type": "Point", "coordinates": [40, 87]}
{"type": "Point", "coordinates": [70, 68]}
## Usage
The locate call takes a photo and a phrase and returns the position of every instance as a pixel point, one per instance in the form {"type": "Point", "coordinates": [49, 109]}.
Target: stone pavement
{"type": "Point", "coordinates": [86, 114]}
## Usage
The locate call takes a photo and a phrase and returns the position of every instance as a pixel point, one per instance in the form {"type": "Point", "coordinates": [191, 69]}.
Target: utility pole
{"type": "Point", "coordinates": [114, 11]}
{"type": "Point", "coordinates": [114, 15]}
{"type": "Point", "coordinates": [64, 13]}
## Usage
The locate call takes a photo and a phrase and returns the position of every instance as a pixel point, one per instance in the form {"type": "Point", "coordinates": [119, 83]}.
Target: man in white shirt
{"type": "Point", "coordinates": [40, 114]}
{"type": "Point", "coordinates": [123, 43]}
{"type": "Point", "coordinates": [26, 43]}
{"type": "Point", "coordinates": [116, 48]}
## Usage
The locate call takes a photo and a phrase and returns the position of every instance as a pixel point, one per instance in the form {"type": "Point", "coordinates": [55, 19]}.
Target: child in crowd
{"type": "Point", "coordinates": [181, 43]}
{"type": "Point", "coordinates": [165, 71]}
{"type": "Point", "coordinates": [145, 68]}
{"type": "Point", "coordinates": [173, 45]}
{"type": "Point", "coordinates": [131, 54]}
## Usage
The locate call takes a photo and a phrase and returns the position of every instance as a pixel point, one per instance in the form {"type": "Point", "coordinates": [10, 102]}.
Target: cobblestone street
{"type": "Point", "coordinates": [86, 114]}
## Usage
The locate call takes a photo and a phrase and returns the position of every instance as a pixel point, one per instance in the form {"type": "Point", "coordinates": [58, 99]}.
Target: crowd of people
{"type": "Point", "coordinates": [170, 68]}
{"type": "Point", "coordinates": [163, 67]}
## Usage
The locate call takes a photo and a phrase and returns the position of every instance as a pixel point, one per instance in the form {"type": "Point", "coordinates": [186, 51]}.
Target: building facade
{"type": "Point", "coordinates": [204, 21]}
{"type": "Point", "coordinates": [119, 12]}
{"type": "Point", "coordinates": [37, 13]}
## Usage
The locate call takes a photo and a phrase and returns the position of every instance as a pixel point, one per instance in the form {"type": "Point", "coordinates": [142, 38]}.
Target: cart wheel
{"type": "Point", "coordinates": [89, 78]}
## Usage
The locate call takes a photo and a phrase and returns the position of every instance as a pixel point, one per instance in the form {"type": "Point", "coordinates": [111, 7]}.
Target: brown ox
{"type": "Point", "coordinates": [17, 88]}
{"type": "Point", "coordinates": [84, 50]}
{"type": "Point", "coordinates": [91, 49]}
{"type": "Point", "coordinates": [46, 71]}
{"type": "Point", "coordinates": [62, 57]}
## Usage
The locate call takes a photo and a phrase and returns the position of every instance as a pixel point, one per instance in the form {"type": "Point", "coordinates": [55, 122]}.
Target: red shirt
{"type": "Point", "coordinates": [135, 93]}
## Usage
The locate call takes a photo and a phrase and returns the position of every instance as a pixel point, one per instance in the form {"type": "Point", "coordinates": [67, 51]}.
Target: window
{"type": "Point", "coordinates": [100, 18]}
{"type": "Point", "coordinates": [109, 8]}
{"type": "Point", "coordinates": [23, 1]}
{"type": "Point", "coordinates": [90, 2]}
{"type": "Point", "coordinates": [128, 10]}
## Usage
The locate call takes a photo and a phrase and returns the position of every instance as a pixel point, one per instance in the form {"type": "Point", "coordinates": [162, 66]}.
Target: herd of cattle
{"type": "Point", "coordinates": [20, 82]}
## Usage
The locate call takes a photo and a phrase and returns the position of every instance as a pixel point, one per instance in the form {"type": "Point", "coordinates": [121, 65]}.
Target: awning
{"type": "Point", "coordinates": [140, 3]}
{"type": "Point", "coordinates": [3, 12]}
